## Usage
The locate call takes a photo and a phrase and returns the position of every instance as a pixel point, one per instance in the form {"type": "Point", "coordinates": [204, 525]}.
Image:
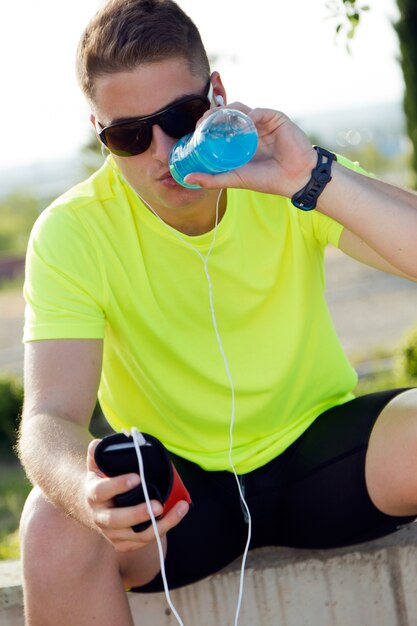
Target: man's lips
{"type": "Point", "coordinates": [165, 176]}
{"type": "Point", "coordinates": [167, 180]}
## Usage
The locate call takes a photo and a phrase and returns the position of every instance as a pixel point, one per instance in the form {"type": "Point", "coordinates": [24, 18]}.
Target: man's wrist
{"type": "Point", "coordinates": [306, 198]}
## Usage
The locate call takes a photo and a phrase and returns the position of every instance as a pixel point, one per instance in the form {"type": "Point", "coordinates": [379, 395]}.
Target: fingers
{"type": "Point", "coordinates": [238, 106]}
{"type": "Point", "coordinates": [265, 116]}
{"type": "Point", "coordinates": [115, 524]}
{"type": "Point", "coordinates": [116, 519]}
{"type": "Point", "coordinates": [214, 181]}
{"type": "Point", "coordinates": [103, 490]}
{"type": "Point", "coordinates": [91, 462]}
{"type": "Point", "coordinates": [172, 517]}
{"type": "Point", "coordinates": [122, 518]}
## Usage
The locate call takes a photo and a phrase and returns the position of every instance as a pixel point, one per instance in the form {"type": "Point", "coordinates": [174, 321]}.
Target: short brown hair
{"type": "Point", "coordinates": [127, 33]}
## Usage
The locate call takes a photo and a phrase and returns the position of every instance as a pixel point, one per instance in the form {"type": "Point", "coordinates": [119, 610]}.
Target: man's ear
{"type": "Point", "coordinates": [218, 88]}
{"type": "Point", "coordinates": [93, 121]}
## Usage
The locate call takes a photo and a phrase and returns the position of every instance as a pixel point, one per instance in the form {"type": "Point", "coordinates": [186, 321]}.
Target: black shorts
{"type": "Point", "coordinates": [312, 496]}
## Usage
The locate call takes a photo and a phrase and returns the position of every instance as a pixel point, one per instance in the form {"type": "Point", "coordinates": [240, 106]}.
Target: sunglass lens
{"type": "Point", "coordinates": [182, 119]}
{"type": "Point", "coordinates": [129, 139]}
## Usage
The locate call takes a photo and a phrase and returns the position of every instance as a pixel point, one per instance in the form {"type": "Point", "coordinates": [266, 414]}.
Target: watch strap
{"type": "Point", "coordinates": [306, 198]}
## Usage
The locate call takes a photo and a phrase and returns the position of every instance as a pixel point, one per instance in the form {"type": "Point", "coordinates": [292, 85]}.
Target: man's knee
{"type": "Point", "coordinates": [391, 460]}
{"type": "Point", "coordinates": [49, 537]}
{"type": "Point", "coordinates": [56, 548]}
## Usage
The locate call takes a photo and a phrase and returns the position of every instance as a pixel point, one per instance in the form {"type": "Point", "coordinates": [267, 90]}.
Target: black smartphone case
{"type": "Point", "coordinates": [156, 462]}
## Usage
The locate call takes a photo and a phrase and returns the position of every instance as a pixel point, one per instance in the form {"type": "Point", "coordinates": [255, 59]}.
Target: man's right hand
{"type": "Point", "coordinates": [115, 522]}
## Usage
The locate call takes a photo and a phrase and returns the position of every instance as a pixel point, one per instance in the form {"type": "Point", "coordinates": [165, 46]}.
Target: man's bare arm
{"type": "Point", "coordinates": [61, 383]}
{"type": "Point", "coordinates": [61, 380]}
{"type": "Point", "coordinates": [356, 248]}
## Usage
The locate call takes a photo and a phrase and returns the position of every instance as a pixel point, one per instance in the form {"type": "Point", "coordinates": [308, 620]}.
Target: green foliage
{"type": "Point", "coordinates": [14, 489]}
{"type": "Point", "coordinates": [377, 382]}
{"type": "Point", "coordinates": [406, 358]}
{"type": "Point", "coordinates": [406, 29]}
{"type": "Point", "coordinates": [347, 14]}
{"type": "Point", "coordinates": [403, 372]}
{"type": "Point", "coordinates": [11, 400]}
{"type": "Point", "coordinates": [18, 212]}
{"type": "Point", "coordinates": [9, 547]}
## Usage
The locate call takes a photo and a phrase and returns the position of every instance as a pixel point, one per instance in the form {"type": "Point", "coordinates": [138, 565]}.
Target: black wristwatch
{"type": "Point", "coordinates": [306, 198]}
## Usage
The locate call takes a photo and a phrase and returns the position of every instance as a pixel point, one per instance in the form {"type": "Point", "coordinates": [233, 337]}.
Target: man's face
{"type": "Point", "coordinates": [143, 91]}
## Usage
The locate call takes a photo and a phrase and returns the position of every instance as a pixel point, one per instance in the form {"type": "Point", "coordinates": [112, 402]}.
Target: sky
{"type": "Point", "coordinates": [273, 53]}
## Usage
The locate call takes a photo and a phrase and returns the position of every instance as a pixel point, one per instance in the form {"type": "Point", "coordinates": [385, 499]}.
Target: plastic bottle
{"type": "Point", "coordinates": [226, 140]}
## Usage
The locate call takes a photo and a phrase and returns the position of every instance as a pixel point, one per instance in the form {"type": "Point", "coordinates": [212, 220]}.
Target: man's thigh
{"type": "Point", "coordinates": [326, 501]}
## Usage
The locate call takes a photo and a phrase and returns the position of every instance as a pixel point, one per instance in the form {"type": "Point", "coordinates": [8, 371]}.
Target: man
{"type": "Point", "coordinates": [118, 303]}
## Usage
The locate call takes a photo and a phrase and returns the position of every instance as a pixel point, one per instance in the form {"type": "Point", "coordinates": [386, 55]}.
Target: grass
{"type": "Point", "coordinates": [14, 488]}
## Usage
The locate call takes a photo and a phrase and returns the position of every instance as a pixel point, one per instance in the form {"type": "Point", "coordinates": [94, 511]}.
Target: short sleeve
{"type": "Point", "coordinates": [64, 282]}
{"type": "Point", "coordinates": [326, 229]}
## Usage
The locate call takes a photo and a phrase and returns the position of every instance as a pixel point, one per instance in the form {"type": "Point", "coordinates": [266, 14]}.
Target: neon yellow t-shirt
{"type": "Point", "coordinates": [101, 265]}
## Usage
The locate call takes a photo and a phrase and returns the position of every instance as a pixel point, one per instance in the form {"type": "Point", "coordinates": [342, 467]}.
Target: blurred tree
{"type": "Point", "coordinates": [348, 15]}
{"type": "Point", "coordinates": [11, 400]}
{"type": "Point", "coordinates": [406, 29]}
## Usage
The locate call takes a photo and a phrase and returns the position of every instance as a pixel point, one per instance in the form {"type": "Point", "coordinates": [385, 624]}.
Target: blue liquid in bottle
{"type": "Point", "coordinates": [226, 140]}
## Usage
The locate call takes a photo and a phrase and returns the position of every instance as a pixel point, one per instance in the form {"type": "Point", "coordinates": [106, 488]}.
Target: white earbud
{"type": "Point", "coordinates": [219, 100]}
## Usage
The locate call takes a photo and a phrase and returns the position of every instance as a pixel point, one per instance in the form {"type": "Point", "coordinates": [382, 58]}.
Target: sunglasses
{"type": "Point", "coordinates": [134, 136]}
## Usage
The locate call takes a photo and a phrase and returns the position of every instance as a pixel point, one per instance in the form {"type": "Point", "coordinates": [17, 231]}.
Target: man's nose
{"type": "Point", "coordinates": [162, 144]}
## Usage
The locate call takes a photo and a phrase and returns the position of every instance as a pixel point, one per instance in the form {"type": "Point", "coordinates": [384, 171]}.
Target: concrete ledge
{"type": "Point", "coordinates": [374, 584]}
{"type": "Point", "coordinates": [11, 597]}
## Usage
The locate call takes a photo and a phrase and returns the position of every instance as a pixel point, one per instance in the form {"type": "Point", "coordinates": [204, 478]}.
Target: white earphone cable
{"type": "Point", "coordinates": [136, 435]}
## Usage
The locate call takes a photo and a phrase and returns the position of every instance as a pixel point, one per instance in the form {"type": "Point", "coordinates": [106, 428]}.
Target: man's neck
{"type": "Point", "coordinates": [196, 220]}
